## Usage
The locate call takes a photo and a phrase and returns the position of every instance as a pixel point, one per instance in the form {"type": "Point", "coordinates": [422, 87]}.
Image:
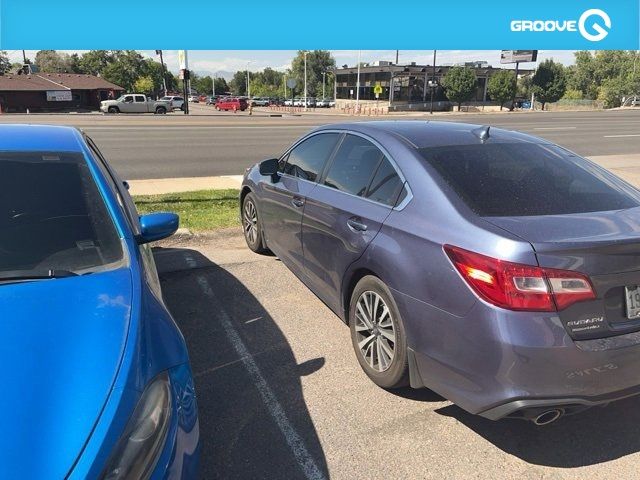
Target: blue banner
{"type": "Point", "coordinates": [330, 24]}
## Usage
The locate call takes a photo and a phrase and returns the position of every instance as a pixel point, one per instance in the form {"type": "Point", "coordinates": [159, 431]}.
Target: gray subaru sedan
{"type": "Point", "coordinates": [495, 268]}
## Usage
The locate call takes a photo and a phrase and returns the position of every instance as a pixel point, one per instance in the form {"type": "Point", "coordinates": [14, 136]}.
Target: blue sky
{"type": "Point", "coordinates": [212, 61]}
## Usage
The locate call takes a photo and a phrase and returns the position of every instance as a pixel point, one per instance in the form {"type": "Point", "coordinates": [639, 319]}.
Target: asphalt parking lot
{"type": "Point", "coordinates": [281, 394]}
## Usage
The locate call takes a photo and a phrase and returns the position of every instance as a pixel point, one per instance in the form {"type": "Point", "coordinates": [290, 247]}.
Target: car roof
{"type": "Point", "coordinates": [51, 138]}
{"type": "Point", "coordinates": [422, 134]}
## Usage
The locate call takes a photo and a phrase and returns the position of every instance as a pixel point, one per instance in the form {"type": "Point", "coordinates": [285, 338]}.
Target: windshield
{"type": "Point", "coordinates": [522, 179]}
{"type": "Point", "coordinates": [52, 216]}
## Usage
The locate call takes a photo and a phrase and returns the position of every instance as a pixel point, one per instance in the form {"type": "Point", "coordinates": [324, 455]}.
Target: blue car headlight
{"type": "Point", "coordinates": [139, 447]}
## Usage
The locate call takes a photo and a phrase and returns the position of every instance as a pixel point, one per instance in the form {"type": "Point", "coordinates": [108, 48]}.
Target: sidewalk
{"type": "Point", "coordinates": [626, 167]}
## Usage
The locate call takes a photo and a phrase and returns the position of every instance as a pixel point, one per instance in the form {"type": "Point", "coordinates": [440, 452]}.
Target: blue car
{"type": "Point", "coordinates": [496, 268]}
{"type": "Point", "coordinates": [97, 382]}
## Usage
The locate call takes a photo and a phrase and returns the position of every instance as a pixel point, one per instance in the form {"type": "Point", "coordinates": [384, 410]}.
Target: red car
{"type": "Point", "coordinates": [233, 104]}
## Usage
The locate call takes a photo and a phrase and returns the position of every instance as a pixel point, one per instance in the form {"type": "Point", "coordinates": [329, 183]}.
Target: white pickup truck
{"type": "Point", "coordinates": [135, 103]}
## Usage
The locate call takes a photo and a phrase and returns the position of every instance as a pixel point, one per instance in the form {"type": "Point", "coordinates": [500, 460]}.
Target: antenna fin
{"type": "Point", "coordinates": [482, 133]}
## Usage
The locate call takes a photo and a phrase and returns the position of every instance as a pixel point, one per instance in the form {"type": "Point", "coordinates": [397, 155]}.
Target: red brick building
{"type": "Point", "coordinates": [50, 92]}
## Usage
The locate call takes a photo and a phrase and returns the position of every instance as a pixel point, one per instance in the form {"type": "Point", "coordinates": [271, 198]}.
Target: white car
{"type": "Point", "coordinates": [176, 101]}
{"type": "Point", "coordinates": [194, 99]}
{"type": "Point", "coordinates": [323, 103]}
{"type": "Point", "coordinates": [288, 103]}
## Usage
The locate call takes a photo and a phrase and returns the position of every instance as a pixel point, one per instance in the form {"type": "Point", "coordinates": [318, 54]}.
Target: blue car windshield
{"type": "Point", "coordinates": [52, 216]}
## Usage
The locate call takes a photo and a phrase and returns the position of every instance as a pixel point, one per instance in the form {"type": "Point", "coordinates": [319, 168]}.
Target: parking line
{"type": "Point", "coordinates": [620, 136]}
{"type": "Point", "coordinates": [295, 442]}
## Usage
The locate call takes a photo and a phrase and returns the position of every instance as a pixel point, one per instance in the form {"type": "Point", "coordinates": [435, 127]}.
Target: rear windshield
{"type": "Point", "coordinates": [52, 216]}
{"type": "Point", "coordinates": [522, 179]}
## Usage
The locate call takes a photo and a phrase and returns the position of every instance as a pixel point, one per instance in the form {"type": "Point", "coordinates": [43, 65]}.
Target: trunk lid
{"type": "Point", "coordinates": [603, 245]}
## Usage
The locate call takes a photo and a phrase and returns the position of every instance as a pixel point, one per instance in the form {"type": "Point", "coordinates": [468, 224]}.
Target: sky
{"type": "Point", "coordinates": [208, 62]}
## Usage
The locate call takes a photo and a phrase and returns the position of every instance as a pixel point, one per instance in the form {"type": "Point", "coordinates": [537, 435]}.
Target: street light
{"type": "Point", "coordinates": [306, 100]}
{"type": "Point", "coordinates": [248, 82]}
{"type": "Point", "coordinates": [323, 75]}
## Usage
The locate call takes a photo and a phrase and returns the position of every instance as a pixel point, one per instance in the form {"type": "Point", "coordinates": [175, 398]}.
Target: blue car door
{"type": "Point", "coordinates": [284, 196]}
{"type": "Point", "coordinates": [345, 212]}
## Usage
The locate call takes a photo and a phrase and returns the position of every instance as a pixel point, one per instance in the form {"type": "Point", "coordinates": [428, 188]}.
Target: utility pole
{"type": "Point", "coordinates": [323, 77]}
{"type": "Point", "coordinates": [358, 85]}
{"type": "Point", "coordinates": [164, 73]}
{"type": "Point", "coordinates": [397, 56]}
{"type": "Point", "coordinates": [433, 84]}
{"type": "Point", "coordinates": [515, 88]}
{"type": "Point", "coordinates": [213, 86]}
{"type": "Point", "coordinates": [24, 57]}
{"type": "Point", "coordinates": [306, 100]}
{"type": "Point", "coordinates": [284, 81]}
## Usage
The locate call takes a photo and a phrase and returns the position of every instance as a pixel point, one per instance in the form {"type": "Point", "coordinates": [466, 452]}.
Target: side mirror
{"type": "Point", "coordinates": [156, 226]}
{"type": "Point", "coordinates": [269, 167]}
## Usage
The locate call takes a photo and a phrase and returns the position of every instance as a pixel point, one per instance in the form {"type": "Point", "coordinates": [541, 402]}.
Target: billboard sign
{"type": "Point", "coordinates": [513, 56]}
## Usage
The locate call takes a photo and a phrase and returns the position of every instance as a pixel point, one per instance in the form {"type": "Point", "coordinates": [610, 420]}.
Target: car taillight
{"type": "Point", "coordinates": [516, 286]}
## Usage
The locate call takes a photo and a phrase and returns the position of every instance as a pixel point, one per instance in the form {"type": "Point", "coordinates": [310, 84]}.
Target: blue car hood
{"type": "Point", "coordinates": [61, 343]}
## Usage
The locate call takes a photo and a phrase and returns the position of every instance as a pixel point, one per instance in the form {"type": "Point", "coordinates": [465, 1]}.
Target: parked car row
{"type": "Point", "coordinates": [310, 102]}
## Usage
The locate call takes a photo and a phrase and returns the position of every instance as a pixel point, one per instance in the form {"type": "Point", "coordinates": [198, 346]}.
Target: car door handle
{"type": "Point", "coordinates": [356, 226]}
{"type": "Point", "coordinates": [297, 202]}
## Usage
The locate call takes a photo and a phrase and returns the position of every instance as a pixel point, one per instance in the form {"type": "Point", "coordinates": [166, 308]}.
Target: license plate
{"type": "Point", "coordinates": [633, 301]}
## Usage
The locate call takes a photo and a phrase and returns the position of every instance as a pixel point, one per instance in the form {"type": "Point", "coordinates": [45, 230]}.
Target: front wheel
{"type": "Point", "coordinates": [377, 334]}
{"type": "Point", "coordinates": [113, 110]}
{"type": "Point", "coordinates": [251, 225]}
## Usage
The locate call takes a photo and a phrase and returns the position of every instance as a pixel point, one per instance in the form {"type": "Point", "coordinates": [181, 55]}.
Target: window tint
{"type": "Point", "coordinates": [52, 216]}
{"type": "Point", "coordinates": [308, 158]}
{"type": "Point", "coordinates": [527, 179]}
{"type": "Point", "coordinates": [353, 165]}
{"type": "Point", "coordinates": [386, 184]}
{"type": "Point", "coordinates": [139, 99]}
{"type": "Point", "coordinates": [128, 99]}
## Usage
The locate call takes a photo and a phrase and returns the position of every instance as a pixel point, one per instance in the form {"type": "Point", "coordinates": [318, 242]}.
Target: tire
{"type": "Point", "coordinates": [161, 110]}
{"type": "Point", "coordinates": [113, 110]}
{"type": "Point", "coordinates": [385, 370]}
{"type": "Point", "coordinates": [251, 225]}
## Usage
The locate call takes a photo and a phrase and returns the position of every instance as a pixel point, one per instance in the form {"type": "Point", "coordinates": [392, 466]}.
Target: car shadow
{"type": "Point", "coordinates": [594, 436]}
{"type": "Point", "coordinates": [254, 422]}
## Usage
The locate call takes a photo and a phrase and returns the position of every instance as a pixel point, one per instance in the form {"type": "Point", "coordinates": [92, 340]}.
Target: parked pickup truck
{"type": "Point", "coordinates": [135, 103]}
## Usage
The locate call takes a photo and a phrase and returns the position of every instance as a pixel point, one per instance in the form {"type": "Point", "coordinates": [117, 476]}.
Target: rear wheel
{"type": "Point", "coordinates": [161, 110]}
{"type": "Point", "coordinates": [251, 225]}
{"type": "Point", "coordinates": [377, 334]}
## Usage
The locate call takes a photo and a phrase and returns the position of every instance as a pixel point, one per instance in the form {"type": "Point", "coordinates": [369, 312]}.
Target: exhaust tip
{"type": "Point", "coordinates": [550, 416]}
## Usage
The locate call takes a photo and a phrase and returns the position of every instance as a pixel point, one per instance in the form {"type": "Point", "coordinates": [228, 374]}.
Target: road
{"type": "Point", "coordinates": [281, 395]}
{"type": "Point", "coordinates": [173, 146]}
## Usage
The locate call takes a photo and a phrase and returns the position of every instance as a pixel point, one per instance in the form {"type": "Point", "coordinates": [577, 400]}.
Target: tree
{"type": "Point", "coordinates": [221, 86]}
{"type": "Point", "coordinates": [144, 85]}
{"type": "Point", "coordinates": [549, 82]}
{"type": "Point", "coordinates": [94, 62]}
{"type": "Point", "coordinates": [50, 61]}
{"type": "Point", "coordinates": [460, 84]}
{"type": "Point", "coordinates": [501, 86]}
{"type": "Point", "coordinates": [318, 61]}
{"type": "Point", "coordinates": [127, 66]}
{"type": "Point", "coordinates": [238, 83]}
{"type": "Point", "coordinates": [5, 64]}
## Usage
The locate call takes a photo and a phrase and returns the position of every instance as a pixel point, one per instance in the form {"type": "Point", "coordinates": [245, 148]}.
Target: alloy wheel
{"type": "Point", "coordinates": [250, 221]}
{"type": "Point", "coordinates": [375, 330]}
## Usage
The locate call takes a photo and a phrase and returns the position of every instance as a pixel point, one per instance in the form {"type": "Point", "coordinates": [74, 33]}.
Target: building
{"type": "Point", "coordinates": [50, 92]}
{"type": "Point", "coordinates": [407, 86]}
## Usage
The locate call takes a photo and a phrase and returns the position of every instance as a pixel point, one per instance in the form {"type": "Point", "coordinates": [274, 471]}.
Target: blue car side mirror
{"type": "Point", "coordinates": [156, 226]}
{"type": "Point", "coordinates": [269, 167]}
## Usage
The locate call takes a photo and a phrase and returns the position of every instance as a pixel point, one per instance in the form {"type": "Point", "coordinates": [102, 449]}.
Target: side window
{"type": "Point", "coordinates": [386, 184]}
{"type": "Point", "coordinates": [128, 99]}
{"type": "Point", "coordinates": [139, 99]}
{"type": "Point", "coordinates": [353, 165]}
{"type": "Point", "coordinates": [125, 200]}
{"type": "Point", "coordinates": [308, 158]}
